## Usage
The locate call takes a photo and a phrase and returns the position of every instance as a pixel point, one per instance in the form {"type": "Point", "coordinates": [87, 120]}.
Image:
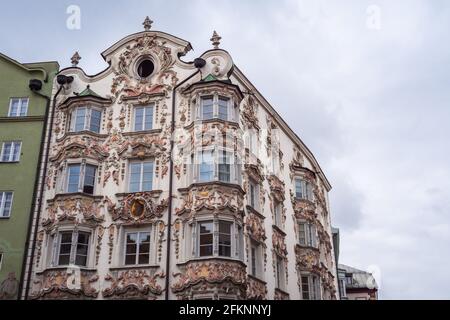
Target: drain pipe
{"type": "Point", "coordinates": [62, 80]}
{"type": "Point", "coordinates": [199, 63]}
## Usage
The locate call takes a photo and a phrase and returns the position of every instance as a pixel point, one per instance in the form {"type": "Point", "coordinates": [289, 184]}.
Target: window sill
{"type": "Point", "coordinates": [75, 195]}
{"type": "Point", "coordinates": [256, 278]}
{"type": "Point", "coordinates": [211, 258]}
{"type": "Point", "coordinates": [5, 218]}
{"type": "Point", "coordinates": [302, 246]}
{"type": "Point", "coordinates": [56, 268]}
{"type": "Point", "coordinates": [136, 133]}
{"type": "Point", "coordinates": [77, 133]}
{"type": "Point", "coordinates": [213, 120]}
{"type": "Point", "coordinates": [155, 193]}
{"type": "Point", "coordinates": [212, 183]}
{"type": "Point", "coordinates": [274, 226]}
{"type": "Point", "coordinates": [134, 266]}
{"type": "Point", "coordinates": [9, 162]}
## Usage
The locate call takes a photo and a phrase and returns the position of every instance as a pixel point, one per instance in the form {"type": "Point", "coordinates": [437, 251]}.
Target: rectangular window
{"type": "Point", "coordinates": [73, 248]}
{"type": "Point", "coordinates": [206, 238]}
{"type": "Point", "coordinates": [207, 108]}
{"type": "Point", "coordinates": [141, 176]}
{"type": "Point", "coordinates": [224, 166]}
{"type": "Point", "coordinates": [275, 161]}
{"type": "Point", "coordinates": [255, 259]}
{"type": "Point", "coordinates": [18, 107]}
{"type": "Point", "coordinates": [6, 199]}
{"type": "Point", "coordinates": [143, 118]}
{"type": "Point", "coordinates": [81, 178]}
{"type": "Point", "coordinates": [307, 234]}
{"type": "Point", "coordinates": [277, 211]}
{"type": "Point", "coordinates": [310, 286]}
{"type": "Point", "coordinates": [206, 171]}
{"type": "Point", "coordinates": [137, 248]}
{"type": "Point", "coordinates": [254, 195]}
{"type": "Point", "coordinates": [11, 151]}
{"type": "Point", "coordinates": [223, 108]}
{"type": "Point", "coordinates": [303, 190]}
{"type": "Point", "coordinates": [225, 238]}
{"type": "Point", "coordinates": [253, 141]}
{"type": "Point", "coordinates": [279, 272]}
{"type": "Point", "coordinates": [86, 118]}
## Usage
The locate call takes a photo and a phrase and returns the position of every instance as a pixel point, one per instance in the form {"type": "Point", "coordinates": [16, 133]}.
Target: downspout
{"type": "Point", "coordinates": [41, 193]}
{"type": "Point", "coordinates": [169, 218]}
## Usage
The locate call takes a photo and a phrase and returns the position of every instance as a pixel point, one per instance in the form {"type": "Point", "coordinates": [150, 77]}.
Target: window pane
{"type": "Point", "coordinates": [16, 152]}
{"type": "Point", "coordinates": [24, 107]}
{"type": "Point", "coordinates": [80, 117]}
{"type": "Point", "coordinates": [206, 251]}
{"type": "Point", "coordinates": [147, 176]}
{"type": "Point", "coordinates": [138, 118]}
{"type": "Point", "coordinates": [64, 259]}
{"type": "Point", "coordinates": [206, 227]}
{"type": "Point", "coordinates": [89, 179]}
{"type": "Point", "coordinates": [74, 178]}
{"type": "Point", "coordinates": [130, 259]}
{"type": "Point", "coordinates": [95, 120]}
{"type": "Point", "coordinates": [148, 124]}
{"type": "Point", "coordinates": [207, 108]}
{"type": "Point", "coordinates": [223, 108]}
{"type": "Point", "coordinates": [7, 198]}
{"type": "Point", "coordinates": [7, 146]}
{"type": "Point", "coordinates": [81, 260]}
{"type": "Point", "coordinates": [14, 112]}
{"type": "Point", "coordinates": [305, 288]}
{"type": "Point", "coordinates": [224, 251]}
{"type": "Point", "coordinates": [144, 259]}
{"type": "Point", "coordinates": [206, 166]}
{"type": "Point", "coordinates": [144, 237]}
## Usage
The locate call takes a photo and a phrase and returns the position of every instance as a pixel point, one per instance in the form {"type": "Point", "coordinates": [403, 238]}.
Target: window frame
{"type": "Point", "coordinates": [81, 177]}
{"type": "Point", "coordinates": [87, 119]}
{"type": "Point", "coordinates": [256, 263]}
{"type": "Point", "coordinates": [280, 273]}
{"type": "Point", "coordinates": [151, 106]}
{"type": "Point", "coordinates": [3, 203]}
{"type": "Point", "coordinates": [216, 114]}
{"type": "Point", "coordinates": [314, 287]}
{"type": "Point", "coordinates": [310, 234]}
{"type": "Point", "coordinates": [278, 213]}
{"type": "Point", "coordinates": [19, 108]}
{"type": "Point", "coordinates": [254, 199]}
{"type": "Point", "coordinates": [73, 254]}
{"type": "Point", "coordinates": [141, 175]}
{"type": "Point", "coordinates": [217, 155]}
{"type": "Point", "coordinates": [138, 245]}
{"type": "Point", "coordinates": [306, 189]}
{"type": "Point", "coordinates": [13, 149]}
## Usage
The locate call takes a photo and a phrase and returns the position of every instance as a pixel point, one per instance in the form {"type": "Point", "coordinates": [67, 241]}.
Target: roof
{"type": "Point", "coordinates": [89, 92]}
{"type": "Point", "coordinates": [360, 279]}
{"type": "Point", "coordinates": [32, 67]}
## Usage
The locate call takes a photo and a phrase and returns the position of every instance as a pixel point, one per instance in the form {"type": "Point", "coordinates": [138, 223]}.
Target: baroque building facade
{"type": "Point", "coordinates": [176, 180]}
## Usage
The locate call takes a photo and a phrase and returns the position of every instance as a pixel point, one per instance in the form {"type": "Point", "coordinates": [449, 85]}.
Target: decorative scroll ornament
{"type": "Point", "coordinates": [256, 289]}
{"type": "Point", "coordinates": [140, 284]}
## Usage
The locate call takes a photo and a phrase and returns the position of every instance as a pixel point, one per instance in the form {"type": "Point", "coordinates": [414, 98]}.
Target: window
{"type": "Point", "coordinates": [137, 248]}
{"type": "Point", "coordinates": [86, 118]}
{"type": "Point", "coordinates": [255, 259]}
{"type": "Point", "coordinates": [277, 212]}
{"type": "Point", "coordinates": [254, 195]}
{"type": "Point", "coordinates": [73, 248]}
{"type": "Point", "coordinates": [307, 234]}
{"type": "Point", "coordinates": [310, 287]}
{"type": "Point", "coordinates": [216, 106]}
{"type": "Point", "coordinates": [206, 238]}
{"type": "Point", "coordinates": [143, 118]}
{"type": "Point", "coordinates": [349, 280]}
{"type": "Point", "coordinates": [252, 141]}
{"type": "Point", "coordinates": [303, 190]}
{"type": "Point", "coordinates": [141, 176]}
{"type": "Point", "coordinates": [342, 287]}
{"type": "Point", "coordinates": [279, 272]}
{"type": "Point", "coordinates": [218, 165]}
{"type": "Point", "coordinates": [145, 68]}
{"type": "Point", "coordinates": [275, 161]}
{"type": "Point", "coordinates": [81, 178]}
{"type": "Point", "coordinates": [11, 151]}
{"type": "Point", "coordinates": [217, 234]}
{"type": "Point", "coordinates": [6, 199]}
{"type": "Point", "coordinates": [18, 107]}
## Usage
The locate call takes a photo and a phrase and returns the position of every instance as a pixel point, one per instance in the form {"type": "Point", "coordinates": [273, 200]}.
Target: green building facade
{"type": "Point", "coordinates": [22, 118]}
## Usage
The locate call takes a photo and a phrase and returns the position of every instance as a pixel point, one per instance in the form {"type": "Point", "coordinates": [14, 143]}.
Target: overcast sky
{"type": "Point", "coordinates": [365, 84]}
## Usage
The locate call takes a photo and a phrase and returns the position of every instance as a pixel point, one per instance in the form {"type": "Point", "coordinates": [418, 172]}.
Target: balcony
{"type": "Point", "coordinates": [65, 284]}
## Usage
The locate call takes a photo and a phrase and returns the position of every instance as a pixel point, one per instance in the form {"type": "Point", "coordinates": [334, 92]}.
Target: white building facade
{"type": "Point", "coordinates": [233, 207]}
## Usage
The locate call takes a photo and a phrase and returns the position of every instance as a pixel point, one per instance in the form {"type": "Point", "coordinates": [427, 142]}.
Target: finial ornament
{"type": "Point", "coordinates": [147, 24]}
{"type": "Point", "coordinates": [75, 59]}
{"type": "Point", "coordinates": [215, 39]}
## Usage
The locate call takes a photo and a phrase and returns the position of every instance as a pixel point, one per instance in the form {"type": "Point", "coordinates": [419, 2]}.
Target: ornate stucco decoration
{"type": "Point", "coordinates": [133, 284]}
{"type": "Point", "coordinates": [62, 284]}
{"type": "Point", "coordinates": [136, 207]}
{"type": "Point", "coordinates": [211, 197]}
{"type": "Point", "coordinates": [254, 224]}
{"type": "Point", "coordinates": [280, 295]}
{"type": "Point", "coordinates": [303, 209]}
{"type": "Point", "coordinates": [307, 258]}
{"type": "Point", "coordinates": [256, 289]}
{"type": "Point", "coordinates": [277, 187]}
{"type": "Point", "coordinates": [278, 243]}
{"type": "Point", "coordinates": [213, 271]}
{"type": "Point", "coordinates": [249, 113]}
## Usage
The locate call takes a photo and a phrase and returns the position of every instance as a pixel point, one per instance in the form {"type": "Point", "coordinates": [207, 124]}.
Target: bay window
{"type": "Point", "coordinates": [307, 234]}
{"type": "Point", "coordinates": [10, 151]}
{"type": "Point", "coordinates": [86, 118]}
{"type": "Point", "coordinates": [303, 189]}
{"type": "Point", "coordinates": [219, 238]}
{"type": "Point", "coordinates": [216, 107]}
{"type": "Point", "coordinates": [141, 176]}
{"type": "Point", "coordinates": [81, 178]}
{"type": "Point", "coordinates": [137, 248]}
{"type": "Point", "coordinates": [143, 118]}
{"type": "Point", "coordinates": [73, 248]}
{"type": "Point", "coordinates": [310, 287]}
{"type": "Point", "coordinates": [216, 164]}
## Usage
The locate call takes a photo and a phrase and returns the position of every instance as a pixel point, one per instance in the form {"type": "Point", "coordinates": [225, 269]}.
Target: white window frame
{"type": "Point", "coordinates": [3, 202]}
{"type": "Point", "coordinates": [81, 179]}
{"type": "Point", "coordinates": [141, 179]}
{"type": "Point", "coordinates": [275, 155]}
{"type": "Point", "coordinates": [252, 185]}
{"type": "Point", "coordinates": [253, 141]}
{"type": "Point", "coordinates": [236, 247]}
{"type": "Point", "coordinates": [124, 253]}
{"type": "Point", "coordinates": [19, 108]}
{"type": "Point", "coordinates": [314, 286]}
{"type": "Point", "coordinates": [310, 234]}
{"type": "Point", "coordinates": [280, 272]}
{"type": "Point", "coordinates": [12, 152]}
{"type": "Point", "coordinates": [306, 189]}
{"type": "Point", "coordinates": [231, 108]}
{"type": "Point", "coordinates": [73, 248]}
{"type": "Point", "coordinates": [87, 118]}
{"type": "Point", "coordinates": [278, 214]}
{"type": "Point", "coordinates": [235, 167]}
{"type": "Point", "coordinates": [256, 263]}
{"type": "Point", "coordinates": [144, 107]}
